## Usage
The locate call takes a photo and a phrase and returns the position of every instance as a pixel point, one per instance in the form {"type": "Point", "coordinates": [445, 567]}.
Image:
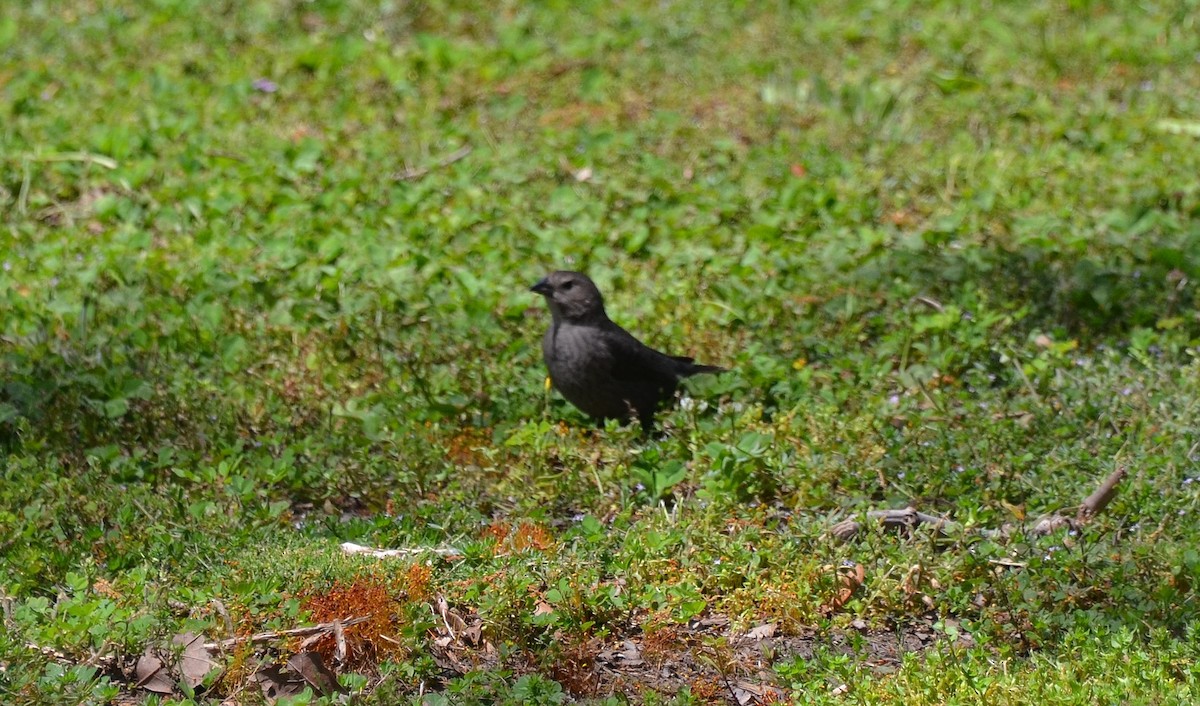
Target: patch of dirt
{"type": "Point", "coordinates": [706, 653]}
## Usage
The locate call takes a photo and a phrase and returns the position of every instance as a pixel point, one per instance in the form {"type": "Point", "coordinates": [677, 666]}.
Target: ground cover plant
{"type": "Point", "coordinates": [264, 291]}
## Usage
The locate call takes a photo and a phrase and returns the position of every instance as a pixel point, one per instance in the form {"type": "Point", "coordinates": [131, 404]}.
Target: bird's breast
{"type": "Point", "coordinates": [574, 356]}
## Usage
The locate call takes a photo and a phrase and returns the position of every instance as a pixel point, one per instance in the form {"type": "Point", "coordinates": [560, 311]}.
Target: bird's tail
{"type": "Point", "coordinates": [688, 366]}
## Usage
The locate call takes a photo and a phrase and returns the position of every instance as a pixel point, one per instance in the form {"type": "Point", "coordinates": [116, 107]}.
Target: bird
{"type": "Point", "coordinates": [599, 366]}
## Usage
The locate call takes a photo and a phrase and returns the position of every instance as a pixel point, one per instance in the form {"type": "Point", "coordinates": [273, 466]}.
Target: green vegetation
{"type": "Point", "coordinates": [257, 300]}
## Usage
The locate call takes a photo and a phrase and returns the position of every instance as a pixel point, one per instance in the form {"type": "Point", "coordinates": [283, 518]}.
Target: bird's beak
{"type": "Point", "coordinates": [542, 287]}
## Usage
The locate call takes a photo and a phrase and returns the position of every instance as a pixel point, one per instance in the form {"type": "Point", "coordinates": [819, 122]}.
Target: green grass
{"type": "Point", "coordinates": [950, 253]}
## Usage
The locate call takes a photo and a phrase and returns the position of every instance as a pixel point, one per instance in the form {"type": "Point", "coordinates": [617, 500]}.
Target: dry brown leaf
{"type": "Point", "coordinates": [453, 622]}
{"type": "Point", "coordinates": [631, 655]}
{"type": "Point", "coordinates": [850, 582]}
{"type": "Point", "coordinates": [310, 666]}
{"type": "Point", "coordinates": [151, 674]}
{"type": "Point", "coordinates": [747, 692]}
{"type": "Point", "coordinates": [195, 663]}
{"type": "Point", "coordinates": [456, 622]}
{"type": "Point", "coordinates": [473, 635]}
{"type": "Point", "coordinates": [278, 682]}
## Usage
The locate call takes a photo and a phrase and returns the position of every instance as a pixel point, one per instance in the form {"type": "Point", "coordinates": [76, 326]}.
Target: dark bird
{"type": "Point", "coordinates": [597, 365]}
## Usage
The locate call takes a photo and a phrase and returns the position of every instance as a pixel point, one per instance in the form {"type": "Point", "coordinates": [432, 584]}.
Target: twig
{"type": "Point", "coordinates": [294, 632]}
{"type": "Point", "coordinates": [931, 303]}
{"type": "Point", "coordinates": [1098, 500]}
{"type": "Point", "coordinates": [352, 548]}
{"type": "Point", "coordinates": [1008, 563]}
{"type": "Point", "coordinates": [339, 639]}
{"type": "Point", "coordinates": [908, 518]}
{"type": "Point", "coordinates": [408, 174]}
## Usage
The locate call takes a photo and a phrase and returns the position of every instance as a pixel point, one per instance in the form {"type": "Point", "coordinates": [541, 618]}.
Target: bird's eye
{"type": "Point", "coordinates": [568, 284]}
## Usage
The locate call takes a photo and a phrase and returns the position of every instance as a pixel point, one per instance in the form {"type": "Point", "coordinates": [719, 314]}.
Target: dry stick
{"type": "Point", "coordinates": [408, 174]}
{"type": "Point", "coordinates": [294, 632]}
{"type": "Point", "coordinates": [352, 548]}
{"type": "Point", "coordinates": [339, 639]}
{"type": "Point", "coordinates": [103, 658]}
{"type": "Point", "coordinates": [908, 518]}
{"type": "Point", "coordinates": [1089, 508]}
{"type": "Point", "coordinates": [1098, 500]}
{"type": "Point", "coordinates": [931, 303]}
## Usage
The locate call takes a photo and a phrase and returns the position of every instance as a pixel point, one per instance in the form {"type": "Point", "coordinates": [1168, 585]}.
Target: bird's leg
{"type": "Point", "coordinates": [647, 422]}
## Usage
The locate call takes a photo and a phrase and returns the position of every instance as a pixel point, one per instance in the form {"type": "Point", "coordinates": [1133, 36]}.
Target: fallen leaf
{"type": "Point", "coordinates": [310, 666]}
{"type": "Point", "coordinates": [850, 581]}
{"type": "Point", "coordinates": [278, 682]}
{"type": "Point", "coordinates": [195, 663]}
{"type": "Point", "coordinates": [631, 655]}
{"type": "Point", "coordinates": [151, 676]}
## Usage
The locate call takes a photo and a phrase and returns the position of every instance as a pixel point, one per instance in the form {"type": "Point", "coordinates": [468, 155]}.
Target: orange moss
{"type": "Point", "coordinates": [661, 641]}
{"type": "Point", "coordinates": [532, 536]}
{"type": "Point", "coordinates": [417, 580]}
{"type": "Point", "coordinates": [374, 596]}
{"type": "Point", "coordinates": [709, 689]}
{"type": "Point", "coordinates": [497, 530]}
{"type": "Point", "coordinates": [463, 447]}
{"type": "Point", "coordinates": [526, 535]}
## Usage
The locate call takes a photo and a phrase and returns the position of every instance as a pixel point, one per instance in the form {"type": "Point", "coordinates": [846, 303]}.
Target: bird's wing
{"type": "Point", "coordinates": [633, 360]}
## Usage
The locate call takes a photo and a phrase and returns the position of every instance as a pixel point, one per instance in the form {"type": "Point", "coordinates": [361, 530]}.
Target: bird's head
{"type": "Point", "coordinates": [571, 297]}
